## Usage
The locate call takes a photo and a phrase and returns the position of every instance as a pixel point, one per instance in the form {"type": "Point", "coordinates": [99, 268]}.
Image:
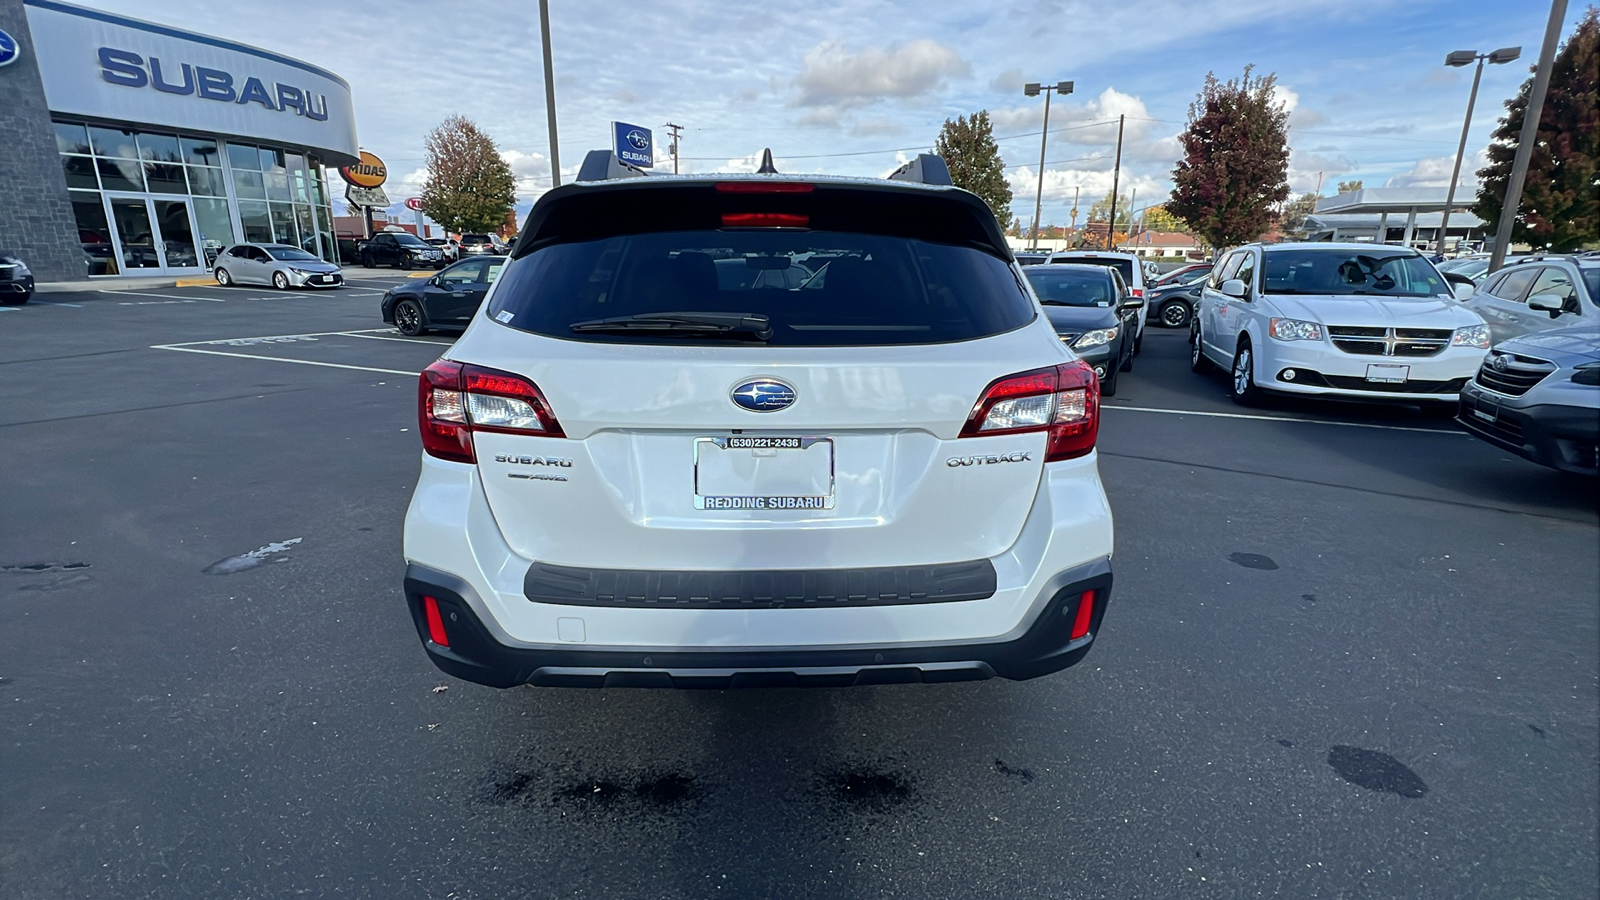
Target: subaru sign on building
{"type": "Point", "coordinates": [166, 145]}
{"type": "Point", "coordinates": [633, 145]}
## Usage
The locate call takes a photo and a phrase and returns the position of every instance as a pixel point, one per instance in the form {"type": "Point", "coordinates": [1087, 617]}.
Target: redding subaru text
{"type": "Point", "coordinates": [757, 430]}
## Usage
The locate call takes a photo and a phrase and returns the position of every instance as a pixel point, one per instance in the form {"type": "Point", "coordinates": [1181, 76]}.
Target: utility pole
{"type": "Point", "coordinates": [1116, 177]}
{"type": "Point", "coordinates": [675, 130]}
{"type": "Point", "coordinates": [1075, 190]}
{"type": "Point", "coordinates": [1032, 89]}
{"type": "Point", "coordinates": [1530, 132]}
{"type": "Point", "coordinates": [550, 93]}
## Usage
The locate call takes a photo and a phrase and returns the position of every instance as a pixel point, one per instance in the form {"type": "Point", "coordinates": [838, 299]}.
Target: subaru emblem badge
{"type": "Point", "coordinates": [763, 395]}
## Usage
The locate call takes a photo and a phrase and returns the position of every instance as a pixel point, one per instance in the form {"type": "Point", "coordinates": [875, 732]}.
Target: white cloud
{"type": "Point", "coordinates": [1434, 171]}
{"type": "Point", "coordinates": [834, 75]}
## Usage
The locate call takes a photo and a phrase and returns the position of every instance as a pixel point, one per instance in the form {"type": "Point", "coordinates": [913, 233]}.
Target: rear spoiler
{"type": "Point", "coordinates": [603, 165]}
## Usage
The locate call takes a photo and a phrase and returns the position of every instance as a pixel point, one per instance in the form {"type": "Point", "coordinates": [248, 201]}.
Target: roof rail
{"type": "Point", "coordinates": [927, 168]}
{"type": "Point", "coordinates": [603, 165]}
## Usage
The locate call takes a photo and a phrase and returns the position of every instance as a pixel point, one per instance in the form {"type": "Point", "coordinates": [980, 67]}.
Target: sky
{"type": "Point", "coordinates": [854, 87]}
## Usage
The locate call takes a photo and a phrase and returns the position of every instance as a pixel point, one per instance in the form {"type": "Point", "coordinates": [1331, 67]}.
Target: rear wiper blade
{"type": "Point", "coordinates": [734, 323]}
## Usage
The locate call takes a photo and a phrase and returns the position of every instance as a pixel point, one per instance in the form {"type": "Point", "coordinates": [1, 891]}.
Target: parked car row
{"type": "Point", "coordinates": [16, 281]}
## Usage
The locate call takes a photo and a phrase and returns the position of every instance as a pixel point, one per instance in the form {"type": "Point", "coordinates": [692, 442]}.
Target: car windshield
{"type": "Point", "coordinates": [409, 240]}
{"type": "Point", "coordinates": [1125, 266]}
{"type": "Point", "coordinates": [816, 288]}
{"type": "Point", "coordinates": [1086, 286]}
{"type": "Point", "coordinates": [289, 253]}
{"type": "Point", "coordinates": [1350, 272]}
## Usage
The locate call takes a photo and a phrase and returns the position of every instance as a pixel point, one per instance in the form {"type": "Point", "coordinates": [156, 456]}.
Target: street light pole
{"type": "Point", "coordinates": [1116, 178]}
{"type": "Point", "coordinates": [1032, 89]}
{"type": "Point", "coordinates": [550, 93]}
{"type": "Point", "coordinates": [1530, 133]}
{"type": "Point", "coordinates": [1458, 59]}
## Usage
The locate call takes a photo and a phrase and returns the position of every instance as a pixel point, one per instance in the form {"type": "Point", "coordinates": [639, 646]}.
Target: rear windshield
{"type": "Point", "coordinates": [1065, 287]}
{"type": "Point", "coordinates": [474, 239]}
{"type": "Point", "coordinates": [817, 288]}
{"type": "Point", "coordinates": [1121, 264]}
{"type": "Point", "coordinates": [1349, 272]}
{"type": "Point", "coordinates": [1591, 280]}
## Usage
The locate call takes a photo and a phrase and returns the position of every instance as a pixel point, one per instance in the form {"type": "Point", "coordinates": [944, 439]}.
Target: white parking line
{"type": "Point", "coordinates": [191, 298]}
{"type": "Point", "coordinates": [1222, 415]}
{"type": "Point", "coordinates": [404, 340]}
{"type": "Point", "coordinates": [269, 337]}
{"type": "Point", "coordinates": [302, 362]}
{"type": "Point", "coordinates": [57, 303]}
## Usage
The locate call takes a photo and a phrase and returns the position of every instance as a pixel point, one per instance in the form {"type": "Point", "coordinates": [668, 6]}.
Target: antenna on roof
{"type": "Point", "coordinates": [767, 168]}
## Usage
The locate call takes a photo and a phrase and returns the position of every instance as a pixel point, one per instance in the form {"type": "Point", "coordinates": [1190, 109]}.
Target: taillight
{"type": "Point", "coordinates": [454, 400]}
{"type": "Point", "coordinates": [764, 220]}
{"type": "Point", "coordinates": [1138, 292]}
{"type": "Point", "coordinates": [1063, 400]}
{"type": "Point", "coordinates": [436, 632]}
{"type": "Point", "coordinates": [1080, 624]}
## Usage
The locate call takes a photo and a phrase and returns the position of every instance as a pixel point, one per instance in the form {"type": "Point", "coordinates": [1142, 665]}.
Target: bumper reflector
{"type": "Point", "coordinates": [1080, 625]}
{"type": "Point", "coordinates": [430, 608]}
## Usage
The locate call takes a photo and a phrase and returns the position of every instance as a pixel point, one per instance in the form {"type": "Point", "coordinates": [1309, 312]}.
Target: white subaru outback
{"type": "Point", "coordinates": [730, 431]}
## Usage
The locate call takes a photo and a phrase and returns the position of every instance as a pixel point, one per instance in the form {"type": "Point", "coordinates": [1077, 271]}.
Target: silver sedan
{"type": "Point", "coordinates": [280, 265]}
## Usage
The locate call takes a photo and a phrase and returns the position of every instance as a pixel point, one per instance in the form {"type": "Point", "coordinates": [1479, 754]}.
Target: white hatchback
{"type": "Point", "coordinates": [714, 431]}
{"type": "Point", "coordinates": [1359, 321]}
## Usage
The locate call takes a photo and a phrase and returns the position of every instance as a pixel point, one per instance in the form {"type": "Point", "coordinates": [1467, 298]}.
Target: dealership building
{"type": "Point", "coordinates": [136, 149]}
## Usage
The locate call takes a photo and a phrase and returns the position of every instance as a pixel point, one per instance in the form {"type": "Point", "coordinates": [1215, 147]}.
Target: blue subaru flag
{"type": "Point", "coordinates": [633, 145]}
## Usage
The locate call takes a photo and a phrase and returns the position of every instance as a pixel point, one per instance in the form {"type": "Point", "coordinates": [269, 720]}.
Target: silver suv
{"type": "Point", "coordinates": [1537, 293]}
{"type": "Point", "coordinates": [1539, 397]}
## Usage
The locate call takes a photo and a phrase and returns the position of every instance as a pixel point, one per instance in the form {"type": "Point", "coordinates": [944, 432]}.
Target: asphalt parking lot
{"type": "Point", "coordinates": [1352, 652]}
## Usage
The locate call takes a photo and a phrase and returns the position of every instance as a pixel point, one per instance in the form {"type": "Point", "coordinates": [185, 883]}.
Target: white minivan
{"type": "Point", "coordinates": [755, 430]}
{"type": "Point", "coordinates": [1357, 321]}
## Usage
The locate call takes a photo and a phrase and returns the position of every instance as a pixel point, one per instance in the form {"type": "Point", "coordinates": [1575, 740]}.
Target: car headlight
{"type": "Point", "coordinates": [1294, 330]}
{"type": "Point", "coordinates": [1588, 373]}
{"type": "Point", "coordinates": [1095, 338]}
{"type": "Point", "coordinates": [1471, 336]}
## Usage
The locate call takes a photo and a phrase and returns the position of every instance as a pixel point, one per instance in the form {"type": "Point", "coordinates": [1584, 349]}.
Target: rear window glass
{"type": "Point", "coordinates": [1125, 266]}
{"type": "Point", "coordinates": [1591, 280]}
{"type": "Point", "coordinates": [817, 288]}
{"type": "Point", "coordinates": [1065, 287]}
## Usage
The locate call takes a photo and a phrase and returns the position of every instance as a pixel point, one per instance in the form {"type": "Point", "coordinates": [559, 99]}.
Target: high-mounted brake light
{"type": "Point", "coordinates": [454, 400]}
{"type": "Point", "coordinates": [765, 220]}
{"type": "Point", "coordinates": [1062, 400]}
{"type": "Point", "coordinates": [765, 187]}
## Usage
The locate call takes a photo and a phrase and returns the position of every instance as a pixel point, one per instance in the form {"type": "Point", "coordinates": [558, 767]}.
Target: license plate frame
{"type": "Point", "coordinates": [1386, 373]}
{"type": "Point", "coordinates": [762, 446]}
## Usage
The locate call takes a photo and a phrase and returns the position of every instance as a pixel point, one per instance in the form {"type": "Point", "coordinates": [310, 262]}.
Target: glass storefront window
{"type": "Point", "coordinates": [283, 224]}
{"type": "Point", "coordinates": [99, 258]}
{"type": "Point", "coordinates": [295, 162]}
{"type": "Point", "coordinates": [271, 159]}
{"type": "Point", "coordinates": [164, 178]}
{"type": "Point", "coordinates": [113, 142]}
{"type": "Point", "coordinates": [200, 151]}
{"type": "Point", "coordinates": [257, 223]}
{"type": "Point", "coordinates": [241, 156]}
{"type": "Point", "coordinates": [216, 227]}
{"type": "Point", "coordinates": [308, 229]}
{"type": "Point", "coordinates": [206, 182]}
{"type": "Point", "coordinates": [71, 137]}
{"type": "Point", "coordinates": [121, 174]}
{"type": "Point", "coordinates": [277, 185]}
{"type": "Point", "coordinates": [80, 172]}
{"type": "Point", "coordinates": [248, 185]}
{"type": "Point", "coordinates": [159, 147]}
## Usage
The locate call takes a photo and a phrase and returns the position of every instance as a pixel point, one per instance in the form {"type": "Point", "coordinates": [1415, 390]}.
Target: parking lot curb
{"type": "Point", "coordinates": [197, 281]}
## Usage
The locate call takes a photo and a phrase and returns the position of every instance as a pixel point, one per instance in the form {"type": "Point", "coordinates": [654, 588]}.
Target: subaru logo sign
{"type": "Point", "coordinates": [763, 395]}
{"type": "Point", "coordinates": [8, 49]}
{"type": "Point", "coordinates": [1499, 362]}
{"type": "Point", "coordinates": [633, 145]}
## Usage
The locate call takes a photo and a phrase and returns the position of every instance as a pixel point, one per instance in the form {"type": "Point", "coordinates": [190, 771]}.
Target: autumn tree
{"type": "Point", "coordinates": [1100, 210]}
{"type": "Point", "coordinates": [1346, 187]}
{"type": "Point", "coordinates": [469, 188]}
{"type": "Point", "coordinates": [1157, 218]}
{"type": "Point", "coordinates": [1235, 162]}
{"type": "Point", "coordinates": [968, 148]}
{"type": "Point", "coordinates": [1561, 197]}
{"type": "Point", "coordinates": [1296, 211]}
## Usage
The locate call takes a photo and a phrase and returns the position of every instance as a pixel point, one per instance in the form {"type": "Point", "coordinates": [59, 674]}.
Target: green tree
{"type": "Point", "coordinates": [1100, 210]}
{"type": "Point", "coordinates": [968, 147]}
{"type": "Point", "coordinates": [1235, 162]}
{"type": "Point", "coordinates": [1561, 197]}
{"type": "Point", "coordinates": [1346, 187]}
{"type": "Point", "coordinates": [1296, 211]}
{"type": "Point", "coordinates": [469, 188]}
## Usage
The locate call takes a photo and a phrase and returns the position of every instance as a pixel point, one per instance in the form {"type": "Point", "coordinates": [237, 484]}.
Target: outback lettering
{"type": "Point", "coordinates": [956, 461]}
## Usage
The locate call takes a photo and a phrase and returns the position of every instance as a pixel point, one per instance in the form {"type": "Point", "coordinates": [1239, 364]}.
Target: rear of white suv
{"type": "Point", "coordinates": [757, 431]}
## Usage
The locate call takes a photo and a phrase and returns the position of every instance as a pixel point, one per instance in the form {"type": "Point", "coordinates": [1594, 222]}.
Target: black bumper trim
{"type": "Point", "coordinates": [759, 589]}
{"type": "Point", "coordinates": [476, 655]}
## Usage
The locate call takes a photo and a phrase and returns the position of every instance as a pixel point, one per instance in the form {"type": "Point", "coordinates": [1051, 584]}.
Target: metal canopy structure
{"type": "Point", "coordinates": [1385, 202]}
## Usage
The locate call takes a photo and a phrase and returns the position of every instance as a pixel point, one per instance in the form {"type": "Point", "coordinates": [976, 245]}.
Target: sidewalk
{"type": "Point", "coordinates": [139, 282]}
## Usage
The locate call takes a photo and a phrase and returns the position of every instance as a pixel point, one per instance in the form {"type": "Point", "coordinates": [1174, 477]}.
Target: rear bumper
{"type": "Point", "coordinates": [1043, 644]}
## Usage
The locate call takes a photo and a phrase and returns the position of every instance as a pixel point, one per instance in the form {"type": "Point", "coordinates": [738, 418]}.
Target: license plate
{"type": "Point", "coordinates": [1486, 416]}
{"type": "Point", "coordinates": [763, 472]}
{"type": "Point", "coordinates": [1388, 374]}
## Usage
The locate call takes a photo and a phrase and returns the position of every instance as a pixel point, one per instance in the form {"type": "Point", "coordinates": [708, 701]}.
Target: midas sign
{"type": "Point", "coordinates": [368, 173]}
